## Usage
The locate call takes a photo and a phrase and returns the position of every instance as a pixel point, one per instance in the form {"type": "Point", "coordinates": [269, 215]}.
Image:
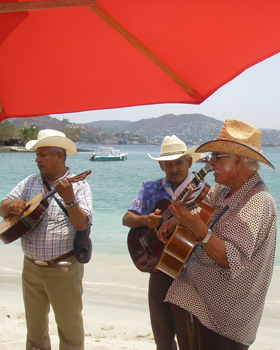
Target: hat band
{"type": "Point", "coordinates": [171, 153]}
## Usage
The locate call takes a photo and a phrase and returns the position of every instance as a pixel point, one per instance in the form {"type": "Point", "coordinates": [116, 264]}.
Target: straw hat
{"type": "Point", "coordinates": [238, 138]}
{"type": "Point", "coordinates": [52, 138]}
{"type": "Point", "coordinates": [173, 148]}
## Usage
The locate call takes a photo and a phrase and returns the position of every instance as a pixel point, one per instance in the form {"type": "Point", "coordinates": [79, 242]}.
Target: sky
{"type": "Point", "coordinates": [253, 97]}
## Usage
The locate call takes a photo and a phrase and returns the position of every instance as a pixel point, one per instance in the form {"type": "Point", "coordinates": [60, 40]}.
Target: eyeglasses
{"type": "Point", "coordinates": [215, 156]}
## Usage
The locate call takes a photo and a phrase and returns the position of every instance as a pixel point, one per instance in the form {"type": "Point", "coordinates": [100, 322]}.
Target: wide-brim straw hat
{"type": "Point", "coordinates": [238, 138]}
{"type": "Point", "coordinates": [52, 138]}
{"type": "Point", "coordinates": [173, 148]}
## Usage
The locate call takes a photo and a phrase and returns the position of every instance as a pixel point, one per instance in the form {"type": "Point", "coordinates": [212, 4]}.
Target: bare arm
{"type": "Point", "coordinates": [133, 219]}
{"type": "Point", "coordinates": [215, 247]}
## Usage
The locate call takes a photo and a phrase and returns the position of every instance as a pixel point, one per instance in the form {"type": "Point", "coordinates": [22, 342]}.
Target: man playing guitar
{"type": "Point", "coordinates": [51, 275]}
{"type": "Point", "coordinates": [175, 160]}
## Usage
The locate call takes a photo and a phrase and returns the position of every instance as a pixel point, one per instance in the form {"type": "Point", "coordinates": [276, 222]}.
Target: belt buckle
{"type": "Point", "coordinates": [41, 262]}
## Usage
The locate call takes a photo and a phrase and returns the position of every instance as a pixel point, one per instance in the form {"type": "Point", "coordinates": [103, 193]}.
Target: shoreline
{"type": "Point", "coordinates": [17, 149]}
{"type": "Point", "coordinates": [116, 315]}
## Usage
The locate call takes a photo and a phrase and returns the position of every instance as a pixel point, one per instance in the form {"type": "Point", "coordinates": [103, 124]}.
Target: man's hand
{"type": "Point", "coordinates": [185, 218]}
{"type": "Point", "coordinates": [16, 206]}
{"type": "Point", "coordinates": [166, 230]}
{"type": "Point", "coordinates": [154, 219]}
{"type": "Point", "coordinates": [65, 190]}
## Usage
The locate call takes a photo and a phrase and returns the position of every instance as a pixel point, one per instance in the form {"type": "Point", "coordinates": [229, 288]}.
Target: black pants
{"type": "Point", "coordinates": [205, 339]}
{"type": "Point", "coordinates": [167, 319]}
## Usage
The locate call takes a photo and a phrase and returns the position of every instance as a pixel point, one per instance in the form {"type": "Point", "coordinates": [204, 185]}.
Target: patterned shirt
{"type": "Point", "coordinates": [149, 194]}
{"type": "Point", "coordinates": [55, 234]}
{"type": "Point", "coordinates": [230, 301]}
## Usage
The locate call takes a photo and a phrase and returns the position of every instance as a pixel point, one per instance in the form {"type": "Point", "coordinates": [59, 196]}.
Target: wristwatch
{"type": "Point", "coordinates": [70, 205]}
{"type": "Point", "coordinates": [205, 239]}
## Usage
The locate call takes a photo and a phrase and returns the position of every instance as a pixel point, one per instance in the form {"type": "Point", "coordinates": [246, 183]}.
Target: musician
{"type": "Point", "coordinates": [175, 160]}
{"type": "Point", "coordinates": [225, 281]}
{"type": "Point", "coordinates": [51, 275]}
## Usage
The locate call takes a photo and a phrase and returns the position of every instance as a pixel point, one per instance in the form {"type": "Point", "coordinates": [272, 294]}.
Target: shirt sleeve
{"type": "Point", "coordinates": [250, 231]}
{"type": "Point", "coordinates": [19, 192]}
{"type": "Point", "coordinates": [138, 204]}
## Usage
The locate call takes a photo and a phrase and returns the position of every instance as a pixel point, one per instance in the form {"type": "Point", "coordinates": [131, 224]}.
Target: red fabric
{"type": "Point", "coordinates": [69, 60]}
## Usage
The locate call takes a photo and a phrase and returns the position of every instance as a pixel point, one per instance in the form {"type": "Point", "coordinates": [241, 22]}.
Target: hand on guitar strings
{"type": "Point", "coordinates": [17, 206]}
{"type": "Point", "coordinates": [154, 219]}
{"type": "Point", "coordinates": [189, 219]}
{"type": "Point", "coordinates": [166, 229]}
{"type": "Point", "coordinates": [65, 190]}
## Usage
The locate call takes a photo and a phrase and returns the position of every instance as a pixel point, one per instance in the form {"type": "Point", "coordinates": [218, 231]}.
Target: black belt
{"type": "Point", "coordinates": [53, 261]}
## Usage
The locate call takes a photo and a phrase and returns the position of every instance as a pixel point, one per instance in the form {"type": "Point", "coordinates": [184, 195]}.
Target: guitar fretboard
{"type": "Point", "coordinates": [197, 179]}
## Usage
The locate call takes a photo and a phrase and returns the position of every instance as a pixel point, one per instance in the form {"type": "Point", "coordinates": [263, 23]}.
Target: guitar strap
{"type": "Point", "coordinates": [57, 201]}
{"type": "Point", "coordinates": [226, 208]}
{"type": "Point", "coordinates": [218, 217]}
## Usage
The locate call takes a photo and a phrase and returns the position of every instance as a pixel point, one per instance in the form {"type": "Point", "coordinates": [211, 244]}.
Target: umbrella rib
{"type": "Point", "coordinates": [42, 5]}
{"type": "Point", "coordinates": [107, 18]}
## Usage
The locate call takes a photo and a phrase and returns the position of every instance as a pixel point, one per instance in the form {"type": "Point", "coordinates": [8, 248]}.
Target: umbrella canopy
{"type": "Point", "coordinates": [110, 54]}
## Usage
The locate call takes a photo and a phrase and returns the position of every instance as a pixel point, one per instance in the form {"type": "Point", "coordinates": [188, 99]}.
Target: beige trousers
{"type": "Point", "coordinates": [60, 287]}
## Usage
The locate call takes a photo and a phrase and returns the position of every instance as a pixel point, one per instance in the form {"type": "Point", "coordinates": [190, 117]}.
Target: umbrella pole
{"type": "Point", "coordinates": [42, 5]}
{"type": "Point", "coordinates": [118, 27]}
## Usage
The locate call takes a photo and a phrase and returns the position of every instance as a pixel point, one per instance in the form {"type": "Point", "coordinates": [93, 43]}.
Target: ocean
{"type": "Point", "coordinates": [115, 184]}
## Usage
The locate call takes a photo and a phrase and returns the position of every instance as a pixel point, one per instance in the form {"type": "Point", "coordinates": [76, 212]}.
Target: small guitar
{"type": "Point", "coordinates": [144, 247]}
{"type": "Point", "coordinates": [16, 226]}
{"type": "Point", "coordinates": [181, 243]}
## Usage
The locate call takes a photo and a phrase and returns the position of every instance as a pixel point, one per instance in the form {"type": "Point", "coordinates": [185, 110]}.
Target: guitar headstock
{"type": "Point", "coordinates": [81, 176]}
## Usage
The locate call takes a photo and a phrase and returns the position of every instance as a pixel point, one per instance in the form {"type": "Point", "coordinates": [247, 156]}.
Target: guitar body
{"type": "Point", "coordinates": [145, 249]}
{"type": "Point", "coordinates": [143, 245]}
{"type": "Point", "coordinates": [16, 226]}
{"type": "Point", "coordinates": [181, 244]}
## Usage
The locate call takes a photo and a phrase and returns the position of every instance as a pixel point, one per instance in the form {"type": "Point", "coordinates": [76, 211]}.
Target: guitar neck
{"type": "Point", "coordinates": [76, 178]}
{"type": "Point", "coordinates": [198, 177]}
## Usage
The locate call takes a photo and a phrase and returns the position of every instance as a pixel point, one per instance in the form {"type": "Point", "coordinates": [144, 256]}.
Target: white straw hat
{"type": "Point", "coordinates": [52, 138]}
{"type": "Point", "coordinates": [173, 148]}
{"type": "Point", "coordinates": [238, 138]}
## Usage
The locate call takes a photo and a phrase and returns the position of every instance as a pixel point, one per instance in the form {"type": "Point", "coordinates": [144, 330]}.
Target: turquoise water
{"type": "Point", "coordinates": [114, 185]}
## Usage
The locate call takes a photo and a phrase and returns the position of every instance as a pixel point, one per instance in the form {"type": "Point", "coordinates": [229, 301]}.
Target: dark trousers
{"type": "Point", "coordinates": [205, 339]}
{"type": "Point", "coordinates": [167, 319]}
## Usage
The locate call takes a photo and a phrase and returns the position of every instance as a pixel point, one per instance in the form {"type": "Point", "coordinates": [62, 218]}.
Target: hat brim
{"type": "Point", "coordinates": [233, 147]}
{"type": "Point", "coordinates": [54, 141]}
{"type": "Point", "coordinates": [190, 152]}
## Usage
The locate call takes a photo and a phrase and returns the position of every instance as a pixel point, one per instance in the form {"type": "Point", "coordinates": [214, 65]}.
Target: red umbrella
{"type": "Point", "coordinates": [110, 54]}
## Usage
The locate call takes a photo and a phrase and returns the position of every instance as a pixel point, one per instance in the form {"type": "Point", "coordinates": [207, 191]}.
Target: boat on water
{"type": "Point", "coordinates": [205, 157]}
{"type": "Point", "coordinates": [108, 154]}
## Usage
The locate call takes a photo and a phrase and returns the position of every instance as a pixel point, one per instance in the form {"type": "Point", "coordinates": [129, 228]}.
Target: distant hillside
{"type": "Point", "coordinates": [45, 122]}
{"type": "Point", "coordinates": [191, 128]}
{"type": "Point", "coordinates": [110, 125]}
{"type": "Point", "coordinates": [194, 129]}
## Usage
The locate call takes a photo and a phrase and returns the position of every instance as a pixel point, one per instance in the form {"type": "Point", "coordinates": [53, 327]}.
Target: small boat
{"type": "Point", "coordinates": [108, 154]}
{"type": "Point", "coordinates": [204, 158]}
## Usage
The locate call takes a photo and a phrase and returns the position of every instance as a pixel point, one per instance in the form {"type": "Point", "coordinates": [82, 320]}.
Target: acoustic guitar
{"type": "Point", "coordinates": [181, 243]}
{"type": "Point", "coordinates": [16, 226]}
{"type": "Point", "coordinates": [144, 247]}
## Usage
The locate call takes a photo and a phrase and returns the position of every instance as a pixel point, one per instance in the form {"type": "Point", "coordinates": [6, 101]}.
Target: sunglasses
{"type": "Point", "coordinates": [215, 156]}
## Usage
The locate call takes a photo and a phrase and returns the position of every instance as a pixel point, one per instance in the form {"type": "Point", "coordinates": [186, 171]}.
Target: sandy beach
{"type": "Point", "coordinates": [115, 310]}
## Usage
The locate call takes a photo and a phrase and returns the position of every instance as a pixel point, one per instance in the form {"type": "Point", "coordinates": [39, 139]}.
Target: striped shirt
{"type": "Point", "coordinates": [230, 302]}
{"type": "Point", "coordinates": [55, 234]}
